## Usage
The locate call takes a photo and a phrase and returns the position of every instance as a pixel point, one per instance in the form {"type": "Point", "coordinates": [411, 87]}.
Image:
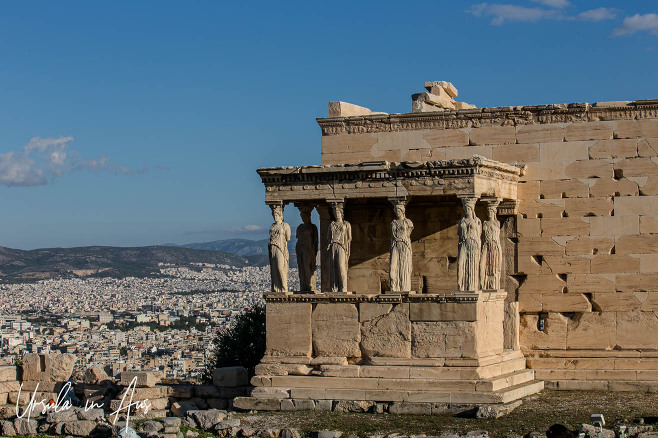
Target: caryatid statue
{"type": "Point", "coordinates": [306, 250]}
{"type": "Point", "coordinates": [492, 254]}
{"type": "Point", "coordinates": [340, 238]}
{"type": "Point", "coordinates": [470, 229]}
{"type": "Point", "coordinates": [400, 251]}
{"type": "Point", "coordinates": [278, 250]}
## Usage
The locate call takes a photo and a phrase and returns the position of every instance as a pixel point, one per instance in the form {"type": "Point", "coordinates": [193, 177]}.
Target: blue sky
{"type": "Point", "coordinates": [136, 123]}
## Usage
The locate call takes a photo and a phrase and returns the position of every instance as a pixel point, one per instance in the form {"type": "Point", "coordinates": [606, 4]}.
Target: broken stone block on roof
{"type": "Point", "coordinates": [344, 109]}
{"type": "Point", "coordinates": [434, 87]}
{"type": "Point", "coordinates": [440, 96]}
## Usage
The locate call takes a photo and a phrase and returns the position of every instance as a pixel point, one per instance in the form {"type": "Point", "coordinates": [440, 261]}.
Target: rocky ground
{"type": "Point", "coordinates": [637, 411]}
{"type": "Point", "coordinates": [536, 414]}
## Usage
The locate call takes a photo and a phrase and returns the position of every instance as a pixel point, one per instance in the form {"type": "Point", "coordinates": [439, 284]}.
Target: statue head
{"type": "Point", "coordinates": [337, 209]}
{"type": "Point", "coordinates": [277, 213]}
{"type": "Point", "coordinates": [493, 211]}
{"type": "Point", "coordinates": [399, 209]}
{"type": "Point", "coordinates": [305, 213]}
{"type": "Point", "coordinates": [469, 207]}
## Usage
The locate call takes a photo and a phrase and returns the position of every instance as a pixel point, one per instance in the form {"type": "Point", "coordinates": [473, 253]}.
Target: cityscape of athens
{"type": "Point", "coordinates": [329, 220]}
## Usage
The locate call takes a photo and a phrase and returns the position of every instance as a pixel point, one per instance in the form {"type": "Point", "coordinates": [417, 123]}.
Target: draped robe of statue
{"type": "Point", "coordinates": [492, 254]}
{"type": "Point", "coordinates": [340, 238]}
{"type": "Point", "coordinates": [278, 249]}
{"type": "Point", "coordinates": [400, 254]}
{"type": "Point", "coordinates": [470, 229]}
{"type": "Point", "coordinates": [307, 250]}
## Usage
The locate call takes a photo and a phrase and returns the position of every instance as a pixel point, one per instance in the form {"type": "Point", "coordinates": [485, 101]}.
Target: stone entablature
{"type": "Point", "coordinates": [474, 177]}
{"type": "Point", "coordinates": [495, 116]}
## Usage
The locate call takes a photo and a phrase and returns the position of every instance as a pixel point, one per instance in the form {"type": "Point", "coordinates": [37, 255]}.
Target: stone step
{"type": "Point", "coordinates": [479, 385]}
{"type": "Point", "coordinates": [507, 380]}
{"type": "Point", "coordinates": [602, 385]}
{"type": "Point", "coordinates": [515, 362]}
{"type": "Point", "coordinates": [268, 400]}
{"type": "Point", "coordinates": [522, 390]}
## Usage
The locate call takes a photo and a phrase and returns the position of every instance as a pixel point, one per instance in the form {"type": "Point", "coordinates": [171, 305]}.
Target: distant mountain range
{"type": "Point", "coordinates": [255, 251]}
{"type": "Point", "coordinates": [142, 261]}
{"type": "Point", "coordinates": [241, 247]}
{"type": "Point", "coordinates": [18, 265]}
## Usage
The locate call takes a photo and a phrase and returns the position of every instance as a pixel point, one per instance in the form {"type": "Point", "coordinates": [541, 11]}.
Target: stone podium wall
{"type": "Point", "coordinates": [586, 228]}
{"type": "Point", "coordinates": [353, 331]}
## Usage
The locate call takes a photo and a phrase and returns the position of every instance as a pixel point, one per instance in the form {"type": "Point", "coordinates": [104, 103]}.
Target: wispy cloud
{"type": "Point", "coordinates": [598, 14]}
{"type": "Point", "coordinates": [507, 13]}
{"type": "Point", "coordinates": [503, 13]}
{"type": "Point", "coordinates": [250, 228]}
{"type": "Point", "coordinates": [44, 159]}
{"type": "Point", "coordinates": [638, 23]}
{"type": "Point", "coordinates": [558, 4]}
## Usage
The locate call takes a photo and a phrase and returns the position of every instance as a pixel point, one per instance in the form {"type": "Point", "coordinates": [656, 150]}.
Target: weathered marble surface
{"type": "Point", "coordinates": [492, 255]}
{"type": "Point", "coordinates": [340, 239]}
{"type": "Point", "coordinates": [470, 229]}
{"type": "Point", "coordinates": [400, 252]}
{"type": "Point", "coordinates": [278, 250]}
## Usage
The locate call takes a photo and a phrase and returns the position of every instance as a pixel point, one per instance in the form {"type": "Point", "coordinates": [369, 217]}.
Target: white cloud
{"type": "Point", "coordinates": [598, 14]}
{"type": "Point", "coordinates": [638, 23]}
{"type": "Point", "coordinates": [501, 13]}
{"type": "Point", "coordinates": [558, 4]}
{"type": "Point", "coordinates": [507, 13]}
{"type": "Point", "coordinates": [44, 159]}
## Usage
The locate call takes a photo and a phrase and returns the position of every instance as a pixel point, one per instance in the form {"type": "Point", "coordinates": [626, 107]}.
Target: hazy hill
{"type": "Point", "coordinates": [104, 260]}
{"type": "Point", "coordinates": [255, 251]}
{"type": "Point", "coordinates": [241, 247]}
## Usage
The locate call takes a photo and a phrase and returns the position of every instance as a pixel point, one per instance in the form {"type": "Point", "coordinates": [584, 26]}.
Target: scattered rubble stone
{"type": "Point", "coordinates": [596, 432]}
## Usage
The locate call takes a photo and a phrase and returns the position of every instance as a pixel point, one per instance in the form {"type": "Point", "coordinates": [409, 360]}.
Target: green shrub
{"type": "Point", "coordinates": [242, 343]}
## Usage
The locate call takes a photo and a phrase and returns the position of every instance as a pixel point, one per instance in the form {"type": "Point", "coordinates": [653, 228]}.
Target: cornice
{"type": "Point", "coordinates": [496, 116]}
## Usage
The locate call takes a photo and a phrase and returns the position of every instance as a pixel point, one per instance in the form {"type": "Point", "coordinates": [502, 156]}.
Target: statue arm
{"type": "Point", "coordinates": [348, 239]}
{"type": "Point", "coordinates": [314, 239]}
{"type": "Point", "coordinates": [287, 232]}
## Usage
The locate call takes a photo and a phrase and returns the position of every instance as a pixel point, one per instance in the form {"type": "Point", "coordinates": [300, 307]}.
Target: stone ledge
{"type": "Point", "coordinates": [496, 116]}
{"type": "Point", "coordinates": [388, 298]}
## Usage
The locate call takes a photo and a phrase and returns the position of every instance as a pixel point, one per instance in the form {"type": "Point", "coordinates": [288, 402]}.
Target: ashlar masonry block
{"type": "Point", "coordinates": [613, 149]}
{"type": "Point", "coordinates": [553, 336]}
{"type": "Point", "coordinates": [636, 167]}
{"type": "Point", "coordinates": [288, 329]}
{"type": "Point", "coordinates": [586, 245]}
{"type": "Point", "coordinates": [388, 335]}
{"type": "Point", "coordinates": [636, 128]}
{"type": "Point", "coordinates": [544, 133]}
{"type": "Point", "coordinates": [589, 169]}
{"type": "Point", "coordinates": [516, 153]}
{"type": "Point", "coordinates": [588, 207]}
{"type": "Point", "coordinates": [612, 187]}
{"type": "Point", "coordinates": [592, 330]}
{"type": "Point", "coordinates": [587, 131]}
{"type": "Point", "coordinates": [647, 147]}
{"type": "Point", "coordinates": [336, 330]}
{"type": "Point", "coordinates": [492, 135]}
{"type": "Point", "coordinates": [564, 151]}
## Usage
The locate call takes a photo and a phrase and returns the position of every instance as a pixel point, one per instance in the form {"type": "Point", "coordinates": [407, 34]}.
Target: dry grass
{"type": "Point", "coordinates": [536, 414]}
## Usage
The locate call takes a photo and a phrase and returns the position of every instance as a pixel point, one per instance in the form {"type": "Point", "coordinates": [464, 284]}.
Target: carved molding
{"type": "Point", "coordinates": [457, 297]}
{"type": "Point", "coordinates": [497, 116]}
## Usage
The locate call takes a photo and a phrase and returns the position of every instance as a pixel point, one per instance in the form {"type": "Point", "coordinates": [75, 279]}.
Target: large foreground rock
{"type": "Point", "coordinates": [145, 379]}
{"type": "Point", "coordinates": [206, 420]}
{"type": "Point", "coordinates": [47, 367]}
